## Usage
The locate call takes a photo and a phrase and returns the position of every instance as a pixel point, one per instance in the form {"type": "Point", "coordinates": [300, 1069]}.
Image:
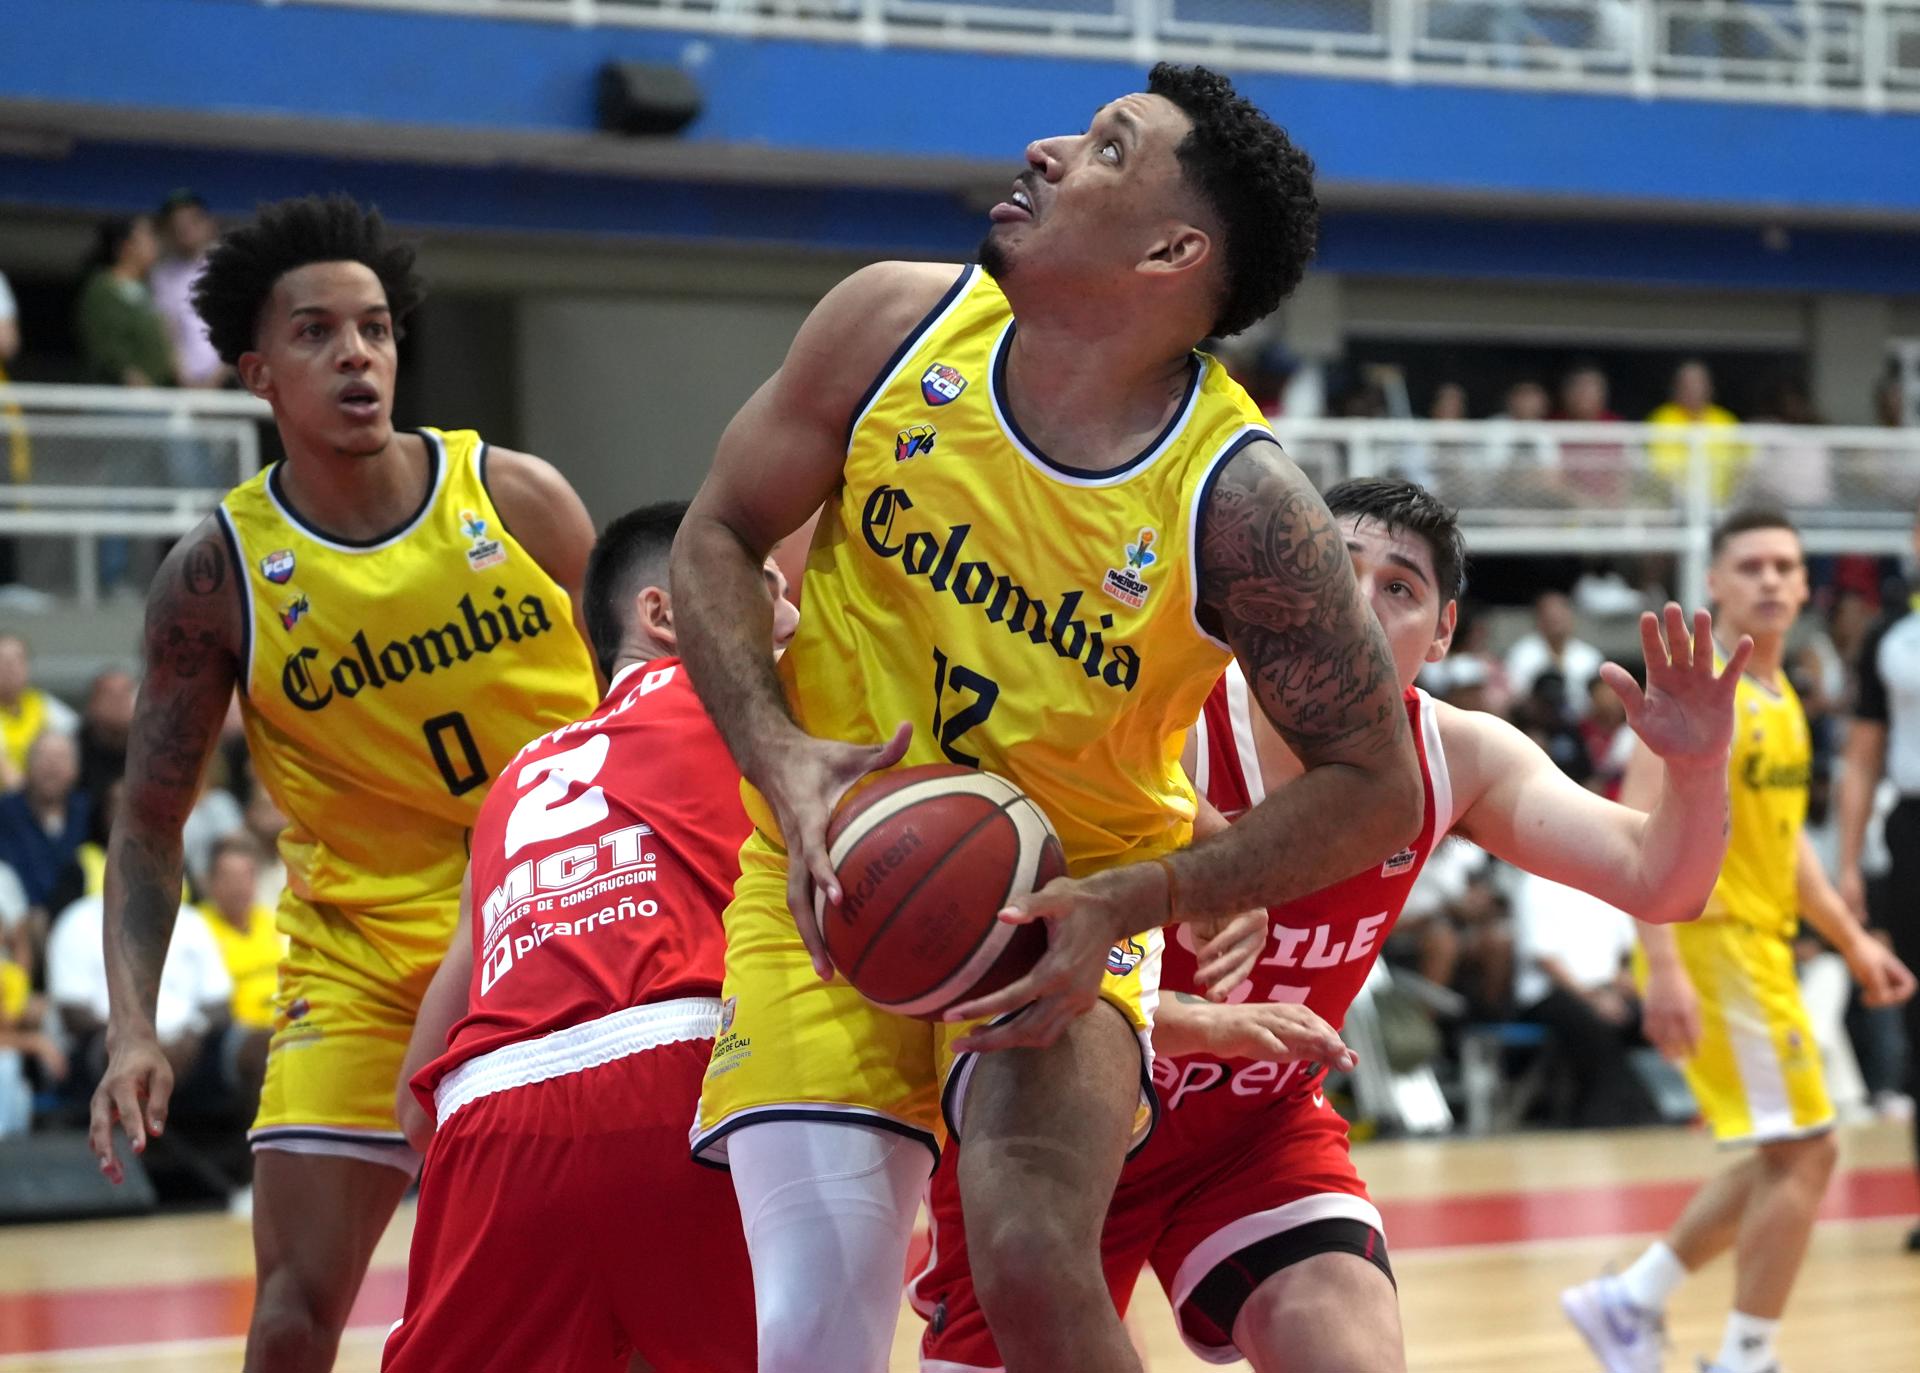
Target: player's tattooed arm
{"type": "Point", "coordinates": [194, 629]}
{"type": "Point", "coordinates": [1277, 584]}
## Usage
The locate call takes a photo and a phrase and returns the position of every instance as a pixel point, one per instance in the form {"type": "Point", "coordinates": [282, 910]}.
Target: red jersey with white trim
{"type": "Point", "coordinates": [1321, 947]}
{"type": "Point", "coordinates": [601, 862]}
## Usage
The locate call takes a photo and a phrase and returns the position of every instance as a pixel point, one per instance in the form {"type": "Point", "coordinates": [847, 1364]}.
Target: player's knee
{"type": "Point", "coordinates": [1025, 1267]}
{"type": "Point", "coordinates": [803, 1332]}
{"type": "Point", "coordinates": [290, 1331]}
{"type": "Point", "coordinates": [1330, 1312]}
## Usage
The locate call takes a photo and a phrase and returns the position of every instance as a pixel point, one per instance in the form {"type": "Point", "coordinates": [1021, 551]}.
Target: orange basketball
{"type": "Point", "coordinates": [927, 857]}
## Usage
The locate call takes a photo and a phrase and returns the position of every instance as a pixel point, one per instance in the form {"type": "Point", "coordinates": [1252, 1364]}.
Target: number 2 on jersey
{"type": "Point", "coordinates": [947, 729]}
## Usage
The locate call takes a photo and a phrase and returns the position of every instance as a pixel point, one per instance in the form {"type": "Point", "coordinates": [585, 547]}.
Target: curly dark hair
{"type": "Point", "coordinates": [245, 264]}
{"type": "Point", "coordinates": [1260, 187]}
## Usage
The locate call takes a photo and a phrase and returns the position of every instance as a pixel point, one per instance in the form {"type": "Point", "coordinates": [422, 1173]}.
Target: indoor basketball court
{"type": "Point", "coordinates": [1484, 1235]}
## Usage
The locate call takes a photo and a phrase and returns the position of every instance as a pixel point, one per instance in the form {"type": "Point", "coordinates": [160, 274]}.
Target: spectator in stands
{"type": "Point", "coordinates": [17, 944]}
{"type": "Point", "coordinates": [1546, 714]}
{"type": "Point", "coordinates": [25, 711]}
{"type": "Point", "coordinates": [1599, 473]}
{"type": "Point", "coordinates": [195, 990]}
{"type": "Point", "coordinates": [1571, 953]}
{"type": "Point", "coordinates": [1690, 403]}
{"type": "Point", "coordinates": [123, 340]}
{"type": "Point", "coordinates": [15, 455]}
{"type": "Point", "coordinates": [1890, 400]}
{"type": "Point", "coordinates": [105, 725]}
{"type": "Point", "coordinates": [1453, 930]}
{"type": "Point", "coordinates": [1449, 402]}
{"type": "Point", "coordinates": [1552, 645]}
{"type": "Point", "coordinates": [1472, 676]}
{"type": "Point", "coordinates": [9, 326]}
{"type": "Point", "coordinates": [1526, 402]}
{"type": "Point", "coordinates": [187, 231]}
{"type": "Point", "coordinates": [250, 948]}
{"type": "Point", "coordinates": [23, 1040]}
{"type": "Point", "coordinates": [1608, 738]}
{"type": "Point", "coordinates": [44, 823]}
{"type": "Point", "coordinates": [215, 815]}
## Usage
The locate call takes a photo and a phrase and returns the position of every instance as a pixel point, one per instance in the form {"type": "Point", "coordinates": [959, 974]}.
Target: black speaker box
{"type": "Point", "coordinates": [646, 98]}
{"type": "Point", "coordinates": [53, 1176]}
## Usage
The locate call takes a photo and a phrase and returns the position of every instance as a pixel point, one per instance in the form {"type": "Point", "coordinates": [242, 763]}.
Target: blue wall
{"type": "Point", "coordinates": [325, 64]}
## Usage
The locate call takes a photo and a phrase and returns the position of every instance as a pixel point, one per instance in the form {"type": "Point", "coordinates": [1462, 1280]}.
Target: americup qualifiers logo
{"type": "Point", "coordinates": [485, 552]}
{"type": "Point", "coordinates": [1125, 584]}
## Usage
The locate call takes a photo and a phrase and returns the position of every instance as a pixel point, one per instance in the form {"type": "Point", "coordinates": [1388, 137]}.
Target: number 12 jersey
{"type": "Point", "coordinates": [1030, 618]}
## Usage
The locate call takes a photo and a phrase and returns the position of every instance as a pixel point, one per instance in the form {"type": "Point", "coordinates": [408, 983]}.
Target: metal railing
{"type": "Point", "coordinates": [1609, 490]}
{"type": "Point", "coordinates": [1859, 53]}
{"type": "Point", "coordinates": [105, 463]}
{"type": "Point", "coordinates": [95, 468]}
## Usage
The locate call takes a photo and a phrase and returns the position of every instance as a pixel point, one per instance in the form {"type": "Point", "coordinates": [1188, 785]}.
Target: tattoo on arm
{"type": "Point", "coordinates": [191, 633]}
{"type": "Point", "coordinates": [1277, 582]}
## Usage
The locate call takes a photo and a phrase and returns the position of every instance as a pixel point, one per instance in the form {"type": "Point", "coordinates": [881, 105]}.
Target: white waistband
{"type": "Point", "coordinates": [577, 1048]}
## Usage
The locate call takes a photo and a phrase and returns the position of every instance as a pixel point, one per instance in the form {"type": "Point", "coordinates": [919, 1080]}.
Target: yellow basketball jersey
{"type": "Point", "coordinates": [1029, 618]}
{"type": "Point", "coordinates": [1771, 766]}
{"type": "Point", "coordinates": [386, 682]}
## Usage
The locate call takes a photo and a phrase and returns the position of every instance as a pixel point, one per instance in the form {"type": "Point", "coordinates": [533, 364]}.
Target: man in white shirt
{"type": "Point", "coordinates": [1571, 953]}
{"type": "Point", "coordinates": [187, 231]}
{"type": "Point", "coordinates": [1551, 646]}
{"type": "Point", "coordinates": [195, 988]}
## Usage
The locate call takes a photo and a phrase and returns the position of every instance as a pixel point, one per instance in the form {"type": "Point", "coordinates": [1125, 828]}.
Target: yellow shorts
{"type": "Point", "coordinates": [1757, 1071]}
{"type": "Point", "coordinates": [794, 1047]}
{"type": "Point", "coordinates": [349, 991]}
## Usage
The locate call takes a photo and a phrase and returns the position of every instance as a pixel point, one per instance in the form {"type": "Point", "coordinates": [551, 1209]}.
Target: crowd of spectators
{"type": "Point", "coordinates": [61, 775]}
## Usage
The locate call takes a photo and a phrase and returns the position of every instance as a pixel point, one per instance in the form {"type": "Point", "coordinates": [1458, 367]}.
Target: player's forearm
{"type": "Point", "coordinates": [1330, 823]}
{"type": "Point", "coordinates": [142, 900]}
{"type": "Point", "coordinates": [725, 624]}
{"type": "Point", "coordinates": [1180, 1024]}
{"type": "Point", "coordinates": [1662, 951]}
{"type": "Point", "coordinates": [1860, 772]}
{"type": "Point", "coordinates": [1681, 845]}
{"type": "Point", "coordinates": [1820, 905]}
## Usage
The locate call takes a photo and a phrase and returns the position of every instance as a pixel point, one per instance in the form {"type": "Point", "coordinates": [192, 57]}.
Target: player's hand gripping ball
{"type": "Point", "coordinates": [927, 857]}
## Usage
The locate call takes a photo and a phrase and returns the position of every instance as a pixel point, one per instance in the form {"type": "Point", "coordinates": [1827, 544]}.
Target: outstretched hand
{"type": "Point", "coordinates": [1685, 715]}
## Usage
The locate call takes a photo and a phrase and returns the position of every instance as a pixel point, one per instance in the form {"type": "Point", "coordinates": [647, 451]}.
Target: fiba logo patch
{"type": "Point", "coordinates": [940, 384]}
{"type": "Point", "coordinates": [1125, 956]}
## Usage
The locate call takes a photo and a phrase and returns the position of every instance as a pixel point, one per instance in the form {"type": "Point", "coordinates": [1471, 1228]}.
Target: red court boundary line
{"type": "Point", "coordinates": [86, 1318]}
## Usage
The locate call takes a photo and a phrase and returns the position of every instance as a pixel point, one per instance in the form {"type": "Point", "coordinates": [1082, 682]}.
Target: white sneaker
{"type": "Point", "coordinates": [1706, 1367]}
{"type": "Point", "coordinates": [1625, 1338]}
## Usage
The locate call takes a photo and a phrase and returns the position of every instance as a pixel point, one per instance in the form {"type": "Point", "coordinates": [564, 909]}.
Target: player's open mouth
{"type": "Point", "coordinates": [1016, 207]}
{"type": "Point", "coordinates": [360, 400]}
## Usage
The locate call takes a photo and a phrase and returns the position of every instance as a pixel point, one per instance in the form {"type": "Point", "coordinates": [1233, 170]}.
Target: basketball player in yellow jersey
{"type": "Point", "coordinates": [1722, 995]}
{"type": "Point", "coordinates": [397, 611]}
{"type": "Point", "coordinates": [1049, 522]}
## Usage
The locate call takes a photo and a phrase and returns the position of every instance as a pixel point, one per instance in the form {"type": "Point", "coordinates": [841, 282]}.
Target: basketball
{"type": "Point", "coordinates": [927, 857]}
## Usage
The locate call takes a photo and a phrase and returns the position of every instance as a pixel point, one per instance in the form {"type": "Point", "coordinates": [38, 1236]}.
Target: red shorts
{"type": "Point", "coordinates": [562, 1228]}
{"type": "Point", "coordinates": [1196, 1197]}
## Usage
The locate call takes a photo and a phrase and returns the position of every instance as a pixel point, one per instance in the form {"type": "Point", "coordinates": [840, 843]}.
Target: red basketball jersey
{"type": "Point", "coordinates": [1321, 947]}
{"type": "Point", "coordinates": [601, 862]}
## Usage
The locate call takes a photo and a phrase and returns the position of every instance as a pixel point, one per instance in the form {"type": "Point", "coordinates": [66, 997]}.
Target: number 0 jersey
{"type": "Point", "coordinates": [1029, 618]}
{"type": "Point", "coordinates": [601, 863]}
{"type": "Point", "coordinates": [1320, 948]}
{"type": "Point", "coordinates": [384, 683]}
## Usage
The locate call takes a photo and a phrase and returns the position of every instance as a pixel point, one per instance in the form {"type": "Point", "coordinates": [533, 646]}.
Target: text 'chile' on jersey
{"type": "Point", "coordinates": [601, 863]}
{"type": "Point", "coordinates": [1321, 947]}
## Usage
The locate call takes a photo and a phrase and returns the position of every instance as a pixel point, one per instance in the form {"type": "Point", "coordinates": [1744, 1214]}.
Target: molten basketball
{"type": "Point", "coordinates": [927, 857]}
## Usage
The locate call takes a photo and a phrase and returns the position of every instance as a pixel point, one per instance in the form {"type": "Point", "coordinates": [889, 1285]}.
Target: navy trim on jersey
{"type": "Point", "coordinates": [997, 379]}
{"type": "Point", "coordinates": [823, 1112]}
{"type": "Point", "coordinates": [1200, 499]}
{"type": "Point", "coordinates": [907, 345]}
{"type": "Point", "coordinates": [330, 1135]}
{"type": "Point", "coordinates": [436, 458]}
{"type": "Point", "coordinates": [244, 576]}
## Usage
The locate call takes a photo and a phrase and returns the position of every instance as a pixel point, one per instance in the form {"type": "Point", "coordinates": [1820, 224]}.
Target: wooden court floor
{"type": "Point", "coordinates": [1484, 1234]}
